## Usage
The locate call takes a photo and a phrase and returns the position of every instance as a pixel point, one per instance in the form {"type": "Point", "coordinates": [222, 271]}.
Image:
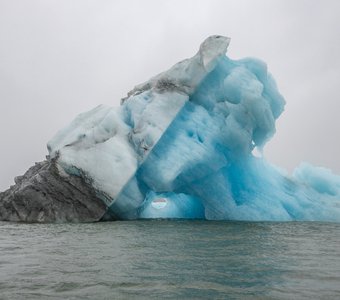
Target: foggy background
{"type": "Point", "coordinates": [62, 57]}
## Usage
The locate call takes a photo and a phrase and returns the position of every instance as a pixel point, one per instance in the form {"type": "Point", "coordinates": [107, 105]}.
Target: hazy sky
{"type": "Point", "coordinates": [59, 58]}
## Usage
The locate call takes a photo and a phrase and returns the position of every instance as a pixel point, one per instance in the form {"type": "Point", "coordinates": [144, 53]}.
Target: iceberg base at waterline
{"type": "Point", "coordinates": [179, 146]}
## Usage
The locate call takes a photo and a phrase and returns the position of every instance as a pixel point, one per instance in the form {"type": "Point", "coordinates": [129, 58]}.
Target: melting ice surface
{"type": "Point", "coordinates": [180, 146]}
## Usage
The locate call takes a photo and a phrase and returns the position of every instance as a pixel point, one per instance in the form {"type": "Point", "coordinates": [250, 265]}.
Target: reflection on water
{"type": "Point", "coordinates": [170, 259]}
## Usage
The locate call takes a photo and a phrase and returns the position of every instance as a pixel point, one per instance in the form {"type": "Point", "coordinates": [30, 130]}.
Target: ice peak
{"type": "Point", "coordinates": [186, 75]}
{"type": "Point", "coordinates": [212, 48]}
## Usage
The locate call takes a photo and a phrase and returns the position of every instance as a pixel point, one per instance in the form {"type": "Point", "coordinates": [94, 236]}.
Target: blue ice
{"type": "Point", "coordinates": [206, 153]}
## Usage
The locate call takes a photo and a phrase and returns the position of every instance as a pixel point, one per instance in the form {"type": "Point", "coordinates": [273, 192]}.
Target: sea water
{"type": "Point", "coordinates": [168, 259]}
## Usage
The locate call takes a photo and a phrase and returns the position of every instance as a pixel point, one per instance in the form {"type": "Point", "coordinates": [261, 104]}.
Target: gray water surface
{"type": "Point", "coordinates": [170, 260]}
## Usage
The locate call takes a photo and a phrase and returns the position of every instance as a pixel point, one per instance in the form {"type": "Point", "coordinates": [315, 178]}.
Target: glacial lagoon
{"type": "Point", "coordinates": [170, 259]}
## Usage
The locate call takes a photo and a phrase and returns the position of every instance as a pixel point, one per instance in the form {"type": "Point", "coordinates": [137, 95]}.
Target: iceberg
{"type": "Point", "coordinates": [181, 145]}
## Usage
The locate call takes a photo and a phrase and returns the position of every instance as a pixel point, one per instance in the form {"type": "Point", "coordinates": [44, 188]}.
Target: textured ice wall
{"type": "Point", "coordinates": [181, 146]}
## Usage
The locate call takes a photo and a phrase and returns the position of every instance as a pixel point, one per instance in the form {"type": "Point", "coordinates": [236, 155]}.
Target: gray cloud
{"type": "Point", "coordinates": [59, 58]}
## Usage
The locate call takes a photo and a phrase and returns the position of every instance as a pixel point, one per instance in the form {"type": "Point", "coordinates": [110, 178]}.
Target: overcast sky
{"type": "Point", "coordinates": [59, 58]}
